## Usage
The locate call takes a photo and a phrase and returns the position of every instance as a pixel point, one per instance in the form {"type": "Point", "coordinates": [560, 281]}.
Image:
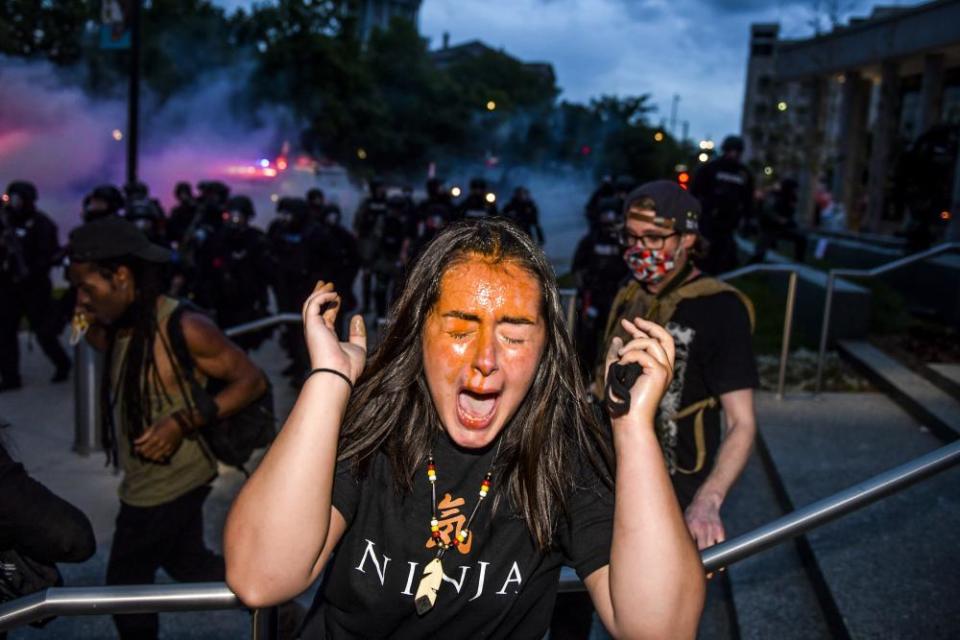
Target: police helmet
{"type": "Point", "coordinates": [732, 144]}
{"type": "Point", "coordinates": [26, 190]}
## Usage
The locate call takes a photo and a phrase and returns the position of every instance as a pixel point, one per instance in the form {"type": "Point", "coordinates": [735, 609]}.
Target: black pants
{"type": "Point", "coordinates": [168, 536]}
{"type": "Point", "coordinates": [33, 300]}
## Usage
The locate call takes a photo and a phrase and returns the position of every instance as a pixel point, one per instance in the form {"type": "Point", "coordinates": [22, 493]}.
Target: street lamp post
{"type": "Point", "coordinates": [133, 100]}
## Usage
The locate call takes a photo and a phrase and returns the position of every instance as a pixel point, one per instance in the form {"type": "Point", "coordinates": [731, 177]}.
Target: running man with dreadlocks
{"type": "Point", "coordinates": [151, 419]}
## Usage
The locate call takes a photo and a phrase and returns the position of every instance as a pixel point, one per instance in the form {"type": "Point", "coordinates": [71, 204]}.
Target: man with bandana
{"type": "Point", "coordinates": [715, 370]}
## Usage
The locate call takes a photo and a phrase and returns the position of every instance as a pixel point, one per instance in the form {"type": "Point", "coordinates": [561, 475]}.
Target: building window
{"type": "Point", "coordinates": [761, 50]}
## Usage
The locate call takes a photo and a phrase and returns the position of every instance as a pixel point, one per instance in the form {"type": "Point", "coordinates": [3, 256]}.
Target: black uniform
{"type": "Point", "coordinates": [394, 234]}
{"type": "Point", "coordinates": [342, 260]}
{"type": "Point", "coordinates": [476, 205]}
{"type": "Point", "coordinates": [181, 215]}
{"type": "Point", "coordinates": [599, 269]}
{"type": "Point", "coordinates": [28, 248]}
{"type": "Point", "coordinates": [300, 248]}
{"type": "Point", "coordinates": [522, 210]}
{"type": "Point", "coordinates": [777, 223]}
{"type": "Point", "coordinates": [725, 189]}
{"type": "Point", "coordinates": [366, 223]}
{"type": "Point", "coordinates": [241, 271]}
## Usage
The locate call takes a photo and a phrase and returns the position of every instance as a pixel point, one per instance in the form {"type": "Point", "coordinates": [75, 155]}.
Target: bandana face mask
{"type": "Point", "coordinates": [649, 266]}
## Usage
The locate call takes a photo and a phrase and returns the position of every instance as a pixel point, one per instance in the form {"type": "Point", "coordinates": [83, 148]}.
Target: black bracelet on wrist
{"type": "Point", "coordinates": [333, 371]}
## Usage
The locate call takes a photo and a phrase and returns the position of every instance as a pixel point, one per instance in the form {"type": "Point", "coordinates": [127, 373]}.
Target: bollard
{"type": "Point", "coordinates": [88, 363]}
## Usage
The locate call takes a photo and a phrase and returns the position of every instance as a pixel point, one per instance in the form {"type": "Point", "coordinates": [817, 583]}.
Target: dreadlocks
{"type": "Point", "coordinates": [139, 379]}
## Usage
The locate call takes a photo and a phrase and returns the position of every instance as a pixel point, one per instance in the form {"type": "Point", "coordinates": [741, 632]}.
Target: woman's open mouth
{"type": "Point", "coordinates": [476, 410]}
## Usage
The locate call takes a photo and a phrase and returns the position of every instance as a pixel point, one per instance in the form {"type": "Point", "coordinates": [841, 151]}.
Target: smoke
{"type": "Point", "coordinates": [65, 141]}
{"type": "Point", "coordinates": [62, 139]}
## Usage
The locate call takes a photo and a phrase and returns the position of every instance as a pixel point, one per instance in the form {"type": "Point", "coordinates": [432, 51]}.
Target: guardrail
{"type": "Point", "coordinates": [787, 314]}
{"type": "Point", "coordinates": [66, 601]}
{"type": "Point", "coordinates": [866, 273]}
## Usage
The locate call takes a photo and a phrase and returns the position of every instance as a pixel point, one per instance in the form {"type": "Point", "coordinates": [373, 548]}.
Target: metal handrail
{"type": "Point", "coordinates": [866, 273]}
{"type": "Point", "coordinates": [66, 601]}
{"type": "Point", "coordinates": [263, 323]}
{"type": "Point", "coordinates": [787, 314]}
{"type": "Point", "coordinates": [833, 507]}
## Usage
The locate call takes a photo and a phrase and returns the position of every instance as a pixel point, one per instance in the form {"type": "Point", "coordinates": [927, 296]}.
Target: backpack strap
{"type": "Point", "coordinates": [204, 404]}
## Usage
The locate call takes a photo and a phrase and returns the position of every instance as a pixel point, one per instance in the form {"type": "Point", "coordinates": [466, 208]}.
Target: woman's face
{"type": "Point", "coordinates": [482, 344]}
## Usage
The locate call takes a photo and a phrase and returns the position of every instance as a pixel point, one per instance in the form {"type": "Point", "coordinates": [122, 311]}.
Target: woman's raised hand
{"type": "Point", "coordinates": [319, 327]}
{"type": "Point", "coordinates": [651, 346]}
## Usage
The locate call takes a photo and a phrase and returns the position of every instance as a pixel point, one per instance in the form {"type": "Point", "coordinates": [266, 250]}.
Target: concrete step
{"type": "Point", "coordinates": [930, 405]}
{"type": "Point", "coordinates": [773, 594]}
{"type": "Point", "coordinates": [945, 376]}
{"type": "Point", "coordinates": [889, 566]}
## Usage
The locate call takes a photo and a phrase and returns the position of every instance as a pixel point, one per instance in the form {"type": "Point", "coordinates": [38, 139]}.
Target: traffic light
{"type": "Point", "coordinates": [683, 179]}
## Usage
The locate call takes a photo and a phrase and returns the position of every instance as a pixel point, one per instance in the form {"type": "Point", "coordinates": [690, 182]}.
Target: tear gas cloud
{"type": "Point", "coordinates": [65, 141]}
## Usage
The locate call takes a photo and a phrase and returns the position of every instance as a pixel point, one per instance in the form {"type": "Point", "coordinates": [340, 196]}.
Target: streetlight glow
{"type": "Point", "coordinates": [703, 157]}
{"type": "Point", "coordinates": [491, 105]}
{"type": "Point", "coordinates": [781, 106]}
{"type": "Point", "coordinates": [768, 171]}
{"type": "Point", "coordinates": [117, 135]}
{"type": "Point", "coordinates": [362, 153]}
{"type": "Point", "coordinates": [658, 136]}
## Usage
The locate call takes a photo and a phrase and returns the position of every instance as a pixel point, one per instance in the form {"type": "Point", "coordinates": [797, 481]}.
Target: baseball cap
{"type": "Point", "coordinates": [113, 237]}
{"type": "Point", "coordinates": [672, 206]}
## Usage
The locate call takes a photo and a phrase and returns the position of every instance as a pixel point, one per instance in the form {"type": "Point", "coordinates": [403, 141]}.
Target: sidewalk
{"type": "Point", "coordinates": [41, 437]}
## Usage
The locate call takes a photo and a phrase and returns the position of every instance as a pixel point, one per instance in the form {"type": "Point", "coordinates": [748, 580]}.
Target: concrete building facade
{"type": "Point", "coordinates": [840, 110]}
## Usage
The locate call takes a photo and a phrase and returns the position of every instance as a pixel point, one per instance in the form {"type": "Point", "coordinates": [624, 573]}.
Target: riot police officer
{"type": "Point", "coordinates": [28, 248]}
{"type": "Point", "coordinates": [479, 203]}
{"type": "Point", "coordinates": [342, 260]}
{"type": "Point", "coordinates": [145, 212]}
{"type": "Point", "coordinates": [181, 215]}
{"type": "Point", "coordinates": [393, 245]}
{"type": "Point", "coordinates": [317, 204]}
{"type": "Point", "coordinates": [300, 249]}
{"type": "Point", "coordinates": [367, 223]}
{"type": "Point", "coordinates": [240, 271]}
{"type": "Point", "coordinates": [105, 200]}
{"type": "Point", "coordinates": [598, 270]}
{"type": "Point", "coordinates": [725, 189]}
{"type": "Point", "coordinates": [522, 210]}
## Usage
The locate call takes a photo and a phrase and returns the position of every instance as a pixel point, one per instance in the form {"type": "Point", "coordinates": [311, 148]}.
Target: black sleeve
{"type": "Point", "coordinates": [586, 530]}
{"type": "Point", "coordinates": [38, 523]}
{"type": "Point", "coordinates": [730, 365]}
{"type": "Point", "coordinates": [346, 491]}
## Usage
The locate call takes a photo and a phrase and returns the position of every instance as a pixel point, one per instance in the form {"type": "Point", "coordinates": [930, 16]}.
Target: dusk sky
{"type": "Point", "coordinates": [694, 48]}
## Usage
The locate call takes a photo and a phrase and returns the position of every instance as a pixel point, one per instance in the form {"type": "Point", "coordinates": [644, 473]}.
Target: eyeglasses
{"type": "Point", "coordinates": [648, 241]}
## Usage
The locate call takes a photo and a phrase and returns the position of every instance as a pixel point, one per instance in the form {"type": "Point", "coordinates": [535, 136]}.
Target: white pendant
{"type": "Point", "coordinates": [429, 584]}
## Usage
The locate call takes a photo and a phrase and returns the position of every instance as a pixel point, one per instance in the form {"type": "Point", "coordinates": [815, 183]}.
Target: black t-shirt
{"type": "Point", "coordinates": [714, 356]}
{"type": "Point", "coordinates": [499, 585]}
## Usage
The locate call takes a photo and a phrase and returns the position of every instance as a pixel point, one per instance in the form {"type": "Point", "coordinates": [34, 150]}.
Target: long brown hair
{"type": "Point", "coordinates": [553, 432]}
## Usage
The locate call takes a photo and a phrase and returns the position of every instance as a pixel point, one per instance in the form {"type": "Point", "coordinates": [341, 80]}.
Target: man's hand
{"type": "Point", "coordinates": [160, 440]}
{"type": "Point", "coordinates": [703, 521]}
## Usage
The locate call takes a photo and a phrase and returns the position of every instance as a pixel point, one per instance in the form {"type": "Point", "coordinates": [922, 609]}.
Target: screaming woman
{"type": "Point", "coordinates": [440, 487]}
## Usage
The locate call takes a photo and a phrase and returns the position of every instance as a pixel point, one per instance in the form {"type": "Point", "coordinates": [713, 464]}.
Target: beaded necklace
{"type": "Point", "coordinates": [432, 574]}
